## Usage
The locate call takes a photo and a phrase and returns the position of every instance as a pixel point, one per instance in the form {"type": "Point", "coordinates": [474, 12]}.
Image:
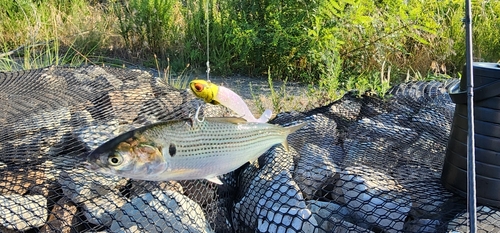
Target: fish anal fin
{"type": "Point", "coordinates": [285, 145]}
{"type": "Point", "coordinates": [214, 179]}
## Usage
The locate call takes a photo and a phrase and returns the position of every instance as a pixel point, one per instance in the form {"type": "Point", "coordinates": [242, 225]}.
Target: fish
{"type": "Point", "coordinates": [187, 149]}
{"type": "Point", "coordinates": [214, 94]}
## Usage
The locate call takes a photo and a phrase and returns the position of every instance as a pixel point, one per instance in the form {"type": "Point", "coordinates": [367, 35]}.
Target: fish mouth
{"type": "Point", "coordinates": [97, 168]}
{"type": "Point", "coordinates": [90, 166]}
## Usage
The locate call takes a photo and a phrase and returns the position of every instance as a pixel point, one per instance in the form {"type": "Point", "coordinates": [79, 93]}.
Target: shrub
{"type": "Point", "coordinates": [330, 44]}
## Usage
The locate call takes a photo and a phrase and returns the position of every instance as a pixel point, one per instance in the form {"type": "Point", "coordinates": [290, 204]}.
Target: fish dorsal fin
{"type": "Point", "coordinates": [233, 120]}
{"type": "Point", "coordinates": [214, 179]}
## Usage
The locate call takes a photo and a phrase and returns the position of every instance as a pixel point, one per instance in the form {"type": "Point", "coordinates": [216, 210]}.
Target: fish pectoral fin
{"type": "Point", "coordinates": [234, 120]}
{"type": "Point", "coordinates": [180, 172]}
{"type": "Point", "coordinates": [214, 179]}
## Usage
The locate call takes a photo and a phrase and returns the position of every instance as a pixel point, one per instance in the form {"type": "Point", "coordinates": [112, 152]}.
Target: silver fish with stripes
{"type": "Point", "coordinates": [187, 149]}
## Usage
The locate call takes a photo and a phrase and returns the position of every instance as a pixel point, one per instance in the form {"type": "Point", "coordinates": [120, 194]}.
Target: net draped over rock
{"type": "Point", "coordinates": [359, 165]}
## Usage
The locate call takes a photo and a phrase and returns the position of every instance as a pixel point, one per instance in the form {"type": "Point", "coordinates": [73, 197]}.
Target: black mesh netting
{"type": "Point", "coordinates": [359, 165]}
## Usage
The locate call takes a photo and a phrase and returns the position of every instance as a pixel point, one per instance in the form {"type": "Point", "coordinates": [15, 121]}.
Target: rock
{"type": "Point", "coordinates": [283, 207]}
{"type": "Point", "coordinates": [332, 191]}
{"type": "Point", "coordinates": [51, 82]}
{"type": "Point", "coordinates": [314, 168]}
{"type": "Point", "coordinates": [30, 147]}
{"type": "Point", "coordinates": [202, 192]}
{"type": "Point", "coordinates": [286, 219]}
{"type": "Point", "coordinates": [169, 104]}
{"type": "Point", "coordinates": [419, 93]}
{"type": "Point", "coordinates": [375, 198]}
{"type": "Point", "coordinates": [434, 121]}
{"type": "Point", "coordinates": [255, 181]}
{"type": "Point", "coordinates": [53, 119]}
{"type": "Point", "coordinates": [337, 153]}
{"type": "Point", "coordinates": [385, 126]}
{"type": "Point", "coordinates": [160, 211]}
{"type": "Point", "coordinates": [81, 118]}
{"type": "Point", "coordinates": [277, 160]}
{"type": "Point", "coordinates": [331, 216]}
{"type": "Point", "coordinates": [23, 212]}
{"type": "Point", "coordinates": [48, 140]}
{"type": "Point", "coordinates": [347, 108]}
{"type": "Point", "coordinates": [80, 184]}
{"type": "Point", "coordinates": [45, 189]}
{"type": "Point", "coordinates": [219, 216]}
{"type": "Point", "coordinates": [138, 187]}
{"type": "Point", "coordinates": [282, 191]}
{"type": "Point", "coordinates": [230, 180]}
{"type": "Point", "coordinates": [20, 181]}
{"type": "Point", "coordinates": [334, 225]}
{"type": "Point", "coordinates": [427, 150]}
{"type": "Point", "coordinates": [244, 214]}
{"type": "Point", "coordinates": [47, 184]}
{"type": "Point", "coordinates": [287, 117]}
{"type": "Point", "coordinates": [391, 119]}
{"type": "Point", "coordinates": [488, 220]}
{"type": "Point", "coordinates": [425, 188]}
{"type": "Point", "coordinates": [406, 111]}
{"type": "Point", "coordinates": [68, 147]}
{"type": "Point", "coordinates": [127, 104]}
{"type": "Point", "coordinates": [320, 129]}
{"type": "Point", "coordinates": [7, 230]}
{"type": "Point", "coordinates": [97, 134]}
{"type": "Point", "coordinates": [375, 152]}
{"type": "Point", "coordinates": [97, 75]}
{"type": "Point", "coordinates": [423, 226]}
{"type": "Point", "coordinates": [109, 78]}
{"type": "Point", "coordinates": [51, 169]}
{"type": "Point", "coordinates": [100, 210]}
{"type": "Point", "coordinates": [61, 218]}
{"type": "Point", "coordinates": [210, 110]}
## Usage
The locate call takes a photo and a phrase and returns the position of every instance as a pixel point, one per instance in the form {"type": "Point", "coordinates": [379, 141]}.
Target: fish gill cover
{"type": "Point", "coordinates": [359, 165]}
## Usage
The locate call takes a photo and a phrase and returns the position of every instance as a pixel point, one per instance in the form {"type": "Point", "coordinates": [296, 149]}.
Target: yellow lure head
{"type": "Point", "coordinates": [204, 90]}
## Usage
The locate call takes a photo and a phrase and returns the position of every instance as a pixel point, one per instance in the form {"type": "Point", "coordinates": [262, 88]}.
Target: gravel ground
{"type": "Point", "coordinates": [255, 91]}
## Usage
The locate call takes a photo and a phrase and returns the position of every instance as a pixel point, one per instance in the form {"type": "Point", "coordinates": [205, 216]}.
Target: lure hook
{"type": "Point", "coordinates": [196, 115]}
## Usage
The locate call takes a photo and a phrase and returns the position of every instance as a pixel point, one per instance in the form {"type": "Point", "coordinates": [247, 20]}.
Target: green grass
{"type": "Point", "coordinates": [256, 99]}
{"type": "Point", "coordinates": [179, 81]}
{"type": "Point", "coordinates": [330, 45]}
{"type": "Point", "coordinates": [34, 35]}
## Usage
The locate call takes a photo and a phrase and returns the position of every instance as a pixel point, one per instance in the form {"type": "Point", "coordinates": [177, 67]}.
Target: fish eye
{"type": "Point", "coordinates": [115, 159]}
{"type": "Point", "coordinates": [198, 86]}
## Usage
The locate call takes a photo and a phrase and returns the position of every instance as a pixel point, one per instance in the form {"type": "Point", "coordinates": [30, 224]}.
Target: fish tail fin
{"type": "Point", "coordinates": [293, 128]}
{"type": "Point", "coordinates": [290, 130]}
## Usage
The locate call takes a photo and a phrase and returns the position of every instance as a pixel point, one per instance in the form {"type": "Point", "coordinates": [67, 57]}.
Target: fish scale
{"type": "Point", "coordinates": [187, 149]}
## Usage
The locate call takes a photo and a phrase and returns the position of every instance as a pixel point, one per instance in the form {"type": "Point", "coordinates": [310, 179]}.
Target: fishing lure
{"type": "Point", "coordinates": [211, 93]}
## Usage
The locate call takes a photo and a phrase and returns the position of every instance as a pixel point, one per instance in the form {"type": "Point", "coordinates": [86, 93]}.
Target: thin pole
{"type": "Point", "coordinates": [471, 156]}
{"type": "Point", "coordinates": [207, 22]}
